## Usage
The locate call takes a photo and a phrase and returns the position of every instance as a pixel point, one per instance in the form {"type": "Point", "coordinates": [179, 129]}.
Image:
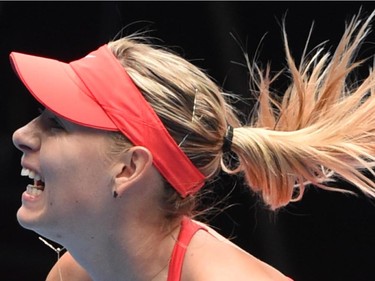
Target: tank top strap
{"type": "Point", "coordinates": [187, 231]}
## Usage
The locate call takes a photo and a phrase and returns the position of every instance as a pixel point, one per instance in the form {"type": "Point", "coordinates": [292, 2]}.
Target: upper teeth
{"type": "Point", "coordinates": [31, 174]}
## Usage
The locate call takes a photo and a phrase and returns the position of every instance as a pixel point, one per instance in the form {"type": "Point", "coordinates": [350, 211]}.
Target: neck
{"type": "Point", "coordinates": [136, 247]}
{"type": "Point", "coordinates": [125, 238]}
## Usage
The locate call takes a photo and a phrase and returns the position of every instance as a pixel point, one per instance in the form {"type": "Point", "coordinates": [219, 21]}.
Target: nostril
{"type": "Point", "coordinates": [23, 147]}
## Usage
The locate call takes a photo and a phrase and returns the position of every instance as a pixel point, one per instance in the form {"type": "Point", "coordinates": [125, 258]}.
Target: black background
{"type": "Point", "coordinates": [327, 236]}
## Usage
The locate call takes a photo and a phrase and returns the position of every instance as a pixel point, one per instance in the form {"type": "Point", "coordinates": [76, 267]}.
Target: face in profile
{"type": "Point", "coordinates": [70, 175]}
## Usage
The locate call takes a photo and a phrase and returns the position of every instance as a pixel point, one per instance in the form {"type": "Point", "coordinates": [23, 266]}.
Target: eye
{"type": "Point", "coordinates": [52, 121]}
{"type": "Point", "coordinates": [55, 123]}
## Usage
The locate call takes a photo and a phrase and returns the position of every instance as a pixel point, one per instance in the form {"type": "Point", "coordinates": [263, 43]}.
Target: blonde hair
{"type": "Point", "coordinates": [320, 129]}
{"type": "Point", "coordinates": [188, 102]}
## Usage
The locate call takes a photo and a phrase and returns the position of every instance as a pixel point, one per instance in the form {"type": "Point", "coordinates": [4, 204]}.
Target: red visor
{"type": "Point", "coordinates": [96, 92]}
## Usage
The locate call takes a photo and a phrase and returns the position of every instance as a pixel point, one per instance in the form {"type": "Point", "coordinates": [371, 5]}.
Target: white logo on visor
{"type": "Point", "coordinates": [90, 56]}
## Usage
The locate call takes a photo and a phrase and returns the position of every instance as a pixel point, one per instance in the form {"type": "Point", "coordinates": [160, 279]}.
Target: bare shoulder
{"type": "Point", "coordinates": [212, 257]}
{"type": "Point", "coordinates": [67, 268]}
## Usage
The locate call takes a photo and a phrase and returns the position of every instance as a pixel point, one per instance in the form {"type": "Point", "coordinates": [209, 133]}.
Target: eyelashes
{"type": "Point", "coordinates": [53, 121]}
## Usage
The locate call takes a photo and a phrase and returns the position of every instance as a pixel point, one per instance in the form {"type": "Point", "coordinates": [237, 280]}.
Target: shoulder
{"type": "Point", "coordinates": [67, 268]}
{"type": "Point", "coordinates": [212, 257]}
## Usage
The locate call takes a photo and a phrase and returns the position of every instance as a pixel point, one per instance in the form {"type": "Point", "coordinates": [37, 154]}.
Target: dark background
{"type": "Point", "coordinates": [327, 236]}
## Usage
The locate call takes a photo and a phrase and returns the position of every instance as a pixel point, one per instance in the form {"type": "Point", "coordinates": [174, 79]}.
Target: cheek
{"type": "Point", "coordinates": [75, 174]}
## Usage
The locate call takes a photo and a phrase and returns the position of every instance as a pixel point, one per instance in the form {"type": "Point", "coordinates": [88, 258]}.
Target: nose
{"type": "Point", "coordinates": [27, 138]}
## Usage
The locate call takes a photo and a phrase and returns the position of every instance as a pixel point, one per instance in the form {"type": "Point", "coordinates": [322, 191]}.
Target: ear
{"type": "Point", "coordinates": [133, 165]}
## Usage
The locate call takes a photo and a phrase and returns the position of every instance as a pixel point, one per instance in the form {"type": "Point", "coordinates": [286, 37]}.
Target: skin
{"type": "Point", "coordinates": [106, 237]}
{"type": "Point", "coordinates": [68, 166]}
{"type": "Point", "coordinates": [204, 250]}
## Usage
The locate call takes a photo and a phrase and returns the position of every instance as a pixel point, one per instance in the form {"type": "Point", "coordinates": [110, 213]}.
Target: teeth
{"type": "Point", "coordinates": [33, 190]}
{"type": "Point", "coordinates": [31, 174]}
{"type": "Point", "coordinates": [25, 172]}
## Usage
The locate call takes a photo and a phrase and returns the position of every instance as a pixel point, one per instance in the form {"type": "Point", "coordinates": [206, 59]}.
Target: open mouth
{"type": "Point", "coordinates": [38, 186]}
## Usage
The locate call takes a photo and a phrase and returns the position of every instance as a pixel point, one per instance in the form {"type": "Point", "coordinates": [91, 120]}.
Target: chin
{"type": "Point", "coordinates": [29, 220]}
{"type": "Point", "coordinates": [25, 220]}
{"type": "Point", "coordinates": [39, 225]}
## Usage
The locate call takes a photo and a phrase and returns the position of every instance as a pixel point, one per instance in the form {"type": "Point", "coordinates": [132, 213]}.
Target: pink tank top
{"type": "Point", "coordinates": [187, 231]}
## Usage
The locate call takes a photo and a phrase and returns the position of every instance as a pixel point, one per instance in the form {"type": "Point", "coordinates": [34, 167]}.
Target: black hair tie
{"type": "Point", "coordinates": [227, 145]}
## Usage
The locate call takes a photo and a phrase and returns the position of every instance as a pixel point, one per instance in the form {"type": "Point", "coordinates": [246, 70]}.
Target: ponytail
{"type": "Point", "coordinates": [323, 128]}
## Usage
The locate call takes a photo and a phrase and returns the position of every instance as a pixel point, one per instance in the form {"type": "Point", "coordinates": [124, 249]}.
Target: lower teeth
{"type": "Point", "coordinates": [34, 190]}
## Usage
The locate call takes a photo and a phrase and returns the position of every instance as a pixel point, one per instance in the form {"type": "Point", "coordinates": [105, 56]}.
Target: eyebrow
{"type": "Point", "coordinates": [50, 114]}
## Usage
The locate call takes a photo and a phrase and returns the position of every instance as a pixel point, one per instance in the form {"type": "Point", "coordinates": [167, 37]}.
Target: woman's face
{"type": "Point", "coordinates": [76, 175]}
